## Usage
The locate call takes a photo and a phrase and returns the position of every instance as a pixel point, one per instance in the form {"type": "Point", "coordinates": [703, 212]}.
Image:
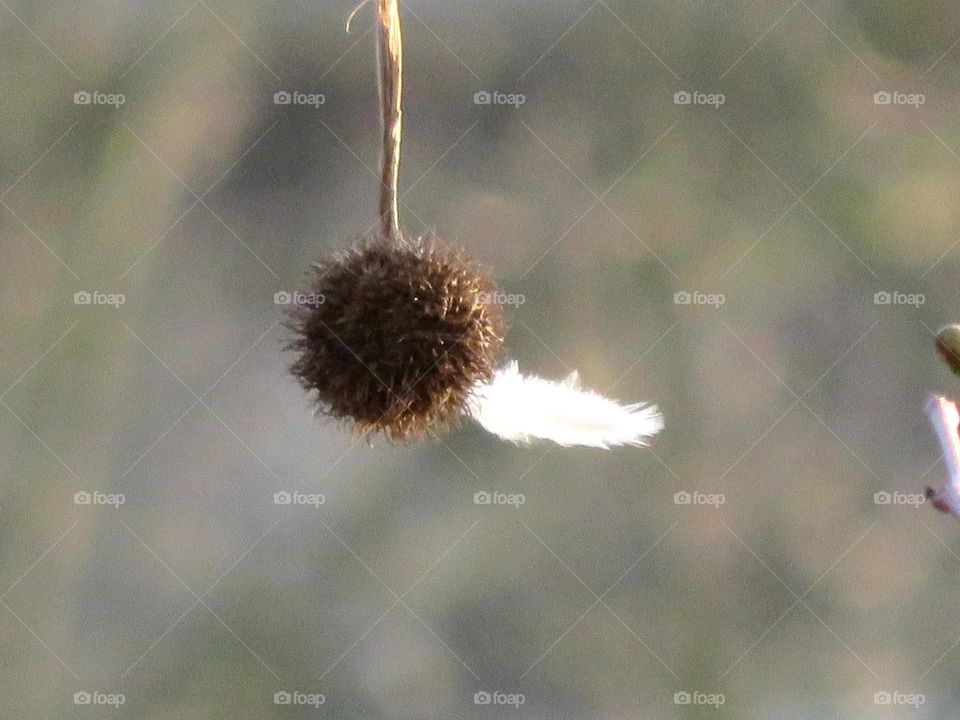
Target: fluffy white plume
{"type": "Point", "coordinates": [945, 419]}
{"type": "Point", "coordinates": [522, 408]}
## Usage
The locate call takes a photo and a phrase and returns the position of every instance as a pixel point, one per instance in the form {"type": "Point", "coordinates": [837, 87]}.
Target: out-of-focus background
{"type": "Point", "coordinates": [747, 212]}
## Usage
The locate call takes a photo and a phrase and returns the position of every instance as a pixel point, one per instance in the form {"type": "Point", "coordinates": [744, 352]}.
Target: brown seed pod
{"type": "Point", "coordinates": [948, 345]}
{"type": "Point", "coordinates": [400, 333]}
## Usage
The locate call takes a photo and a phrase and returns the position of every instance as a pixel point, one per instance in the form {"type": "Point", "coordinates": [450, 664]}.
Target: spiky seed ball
{"type": "Point", "coordinates": [399, 334]}
{"type": "Point", "coordinates": [948, 345]}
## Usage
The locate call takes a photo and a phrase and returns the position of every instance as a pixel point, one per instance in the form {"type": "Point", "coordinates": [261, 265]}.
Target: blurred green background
{"type": "Point", "coordinates": [793, 393]}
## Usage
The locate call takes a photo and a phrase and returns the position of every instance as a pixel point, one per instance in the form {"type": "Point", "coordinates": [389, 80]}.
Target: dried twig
{"type": "Point", "coordinates": [390, 56]}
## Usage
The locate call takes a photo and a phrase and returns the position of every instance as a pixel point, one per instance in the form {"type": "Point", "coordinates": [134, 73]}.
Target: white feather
{"type": "Point", "coordinates": [522, 408]}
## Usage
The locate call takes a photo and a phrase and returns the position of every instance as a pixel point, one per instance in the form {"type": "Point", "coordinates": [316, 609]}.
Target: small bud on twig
{"type": "Point", "coordinates": [948, 345]}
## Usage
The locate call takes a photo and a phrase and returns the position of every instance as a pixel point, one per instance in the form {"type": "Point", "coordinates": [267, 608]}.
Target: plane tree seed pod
{"type": "Point", "coordinates": [402, 338]}
{"type": "Point", "coordinates": [403, 334]}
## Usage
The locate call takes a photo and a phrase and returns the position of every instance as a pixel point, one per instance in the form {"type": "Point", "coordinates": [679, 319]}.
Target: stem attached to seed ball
{"type": "Point", "coordinates": [402, 331]}
{"type": "Point", "coordinates": [390, 56]}
{"type": "Point", "coordinates": [402, 338]}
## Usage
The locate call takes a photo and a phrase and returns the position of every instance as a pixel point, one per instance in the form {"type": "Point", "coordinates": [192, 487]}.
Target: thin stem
{"type": "Point", "coordinates": [390, 56]}
{"type": "Point", "coordinates": [945, 419]}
